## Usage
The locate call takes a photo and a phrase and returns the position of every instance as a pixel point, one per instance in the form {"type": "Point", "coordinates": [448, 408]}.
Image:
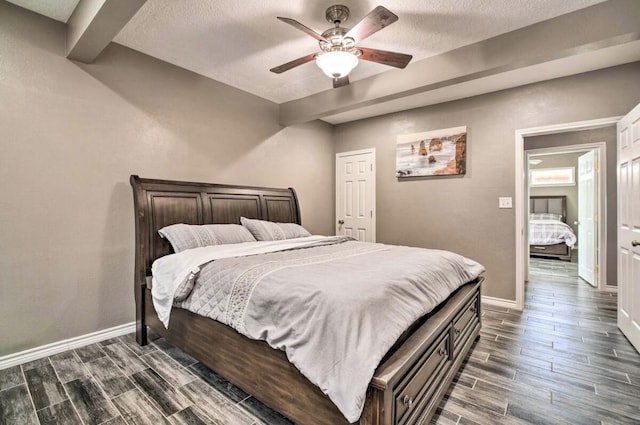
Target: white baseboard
{"type": "Point", "coordinates": [500, 302]}
{"type": "Point", "coordinates": [67, 344]}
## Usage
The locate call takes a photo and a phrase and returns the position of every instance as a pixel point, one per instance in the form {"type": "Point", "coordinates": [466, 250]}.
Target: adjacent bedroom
{"type": "Point", "coordinates": [573, 205]}
{"type": "Point", "coordinates": [285, 212]}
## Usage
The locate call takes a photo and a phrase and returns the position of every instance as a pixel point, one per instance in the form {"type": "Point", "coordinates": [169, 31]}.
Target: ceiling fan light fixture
{"type": "Point", "coordinates": [339, 52]}
{"type": "Point", "coordinates": [336, 64]}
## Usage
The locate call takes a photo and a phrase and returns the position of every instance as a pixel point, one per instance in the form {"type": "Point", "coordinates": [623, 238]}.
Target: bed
{"type": "Point", "coordinates": [549, 235]}
{"type": "Point", "coordinates": [407, 385]}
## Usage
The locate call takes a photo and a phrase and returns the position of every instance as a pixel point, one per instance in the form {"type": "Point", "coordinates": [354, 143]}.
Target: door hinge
{"type": "Point", "coordinates": [596, 270]}
{"type": "Point", "coordinates": [371, 168]}
{"type": "Point", "coordinates": [371, 213]}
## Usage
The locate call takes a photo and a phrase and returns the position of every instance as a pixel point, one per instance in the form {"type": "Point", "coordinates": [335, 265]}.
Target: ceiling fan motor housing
{"type": "Point", "coordinates": [337, 14]}
{"type": "Point", "coordinates": [337, 40]}
{"type": "Point", "coordinates": [335, 36]}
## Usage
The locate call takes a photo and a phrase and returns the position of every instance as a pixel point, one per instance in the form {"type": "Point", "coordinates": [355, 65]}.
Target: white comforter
{"type": "Point", "coordinates": [334, 305]}
{"type": "Point", "coordinates": [550, 232]}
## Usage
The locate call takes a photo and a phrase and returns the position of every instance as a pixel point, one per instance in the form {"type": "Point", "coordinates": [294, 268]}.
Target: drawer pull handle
{"type": "Point", "coordinates": [635, 243]}
{"type": "Point", "coordinates": [442, 351]}
{"type": "Point", "coordinates": [457, 331]}
{"type": "Point", "coordinates": [407, 401]}
{"type": "Point", "coordinates": [473, 309]}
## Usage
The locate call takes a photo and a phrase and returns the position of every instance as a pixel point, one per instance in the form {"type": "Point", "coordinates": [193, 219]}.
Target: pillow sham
{"type": "Point", "coordinates": [187, 236]}
{"type": "Point", "coordinates": [264, 230]}
{"type": "Point", "coordinates": [546, 216]}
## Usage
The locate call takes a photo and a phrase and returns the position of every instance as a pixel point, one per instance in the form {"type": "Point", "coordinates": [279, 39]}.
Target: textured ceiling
{"type": "Point", "coordinates": [237, 42]}
{"type": "Point", "coordinates": [60, 10]}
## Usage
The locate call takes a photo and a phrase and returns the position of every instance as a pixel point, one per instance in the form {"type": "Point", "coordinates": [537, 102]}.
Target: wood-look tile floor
{"type": "Point", "coordinates": [561, 361]}
{"type": "Point", "coordinates": [117, 382]}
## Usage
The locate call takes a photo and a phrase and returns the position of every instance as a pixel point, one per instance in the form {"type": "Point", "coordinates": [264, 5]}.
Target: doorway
{"type": "Point", "coordinates": [521, 199]}
{"type": "Point", "coordinates": [565, 200]}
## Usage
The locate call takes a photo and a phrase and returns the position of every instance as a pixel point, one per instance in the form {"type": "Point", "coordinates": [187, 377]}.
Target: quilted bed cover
{"type": "Point", "coordinates": [550, 232]}
{"type": "Point", "coordinates": [333, 304]}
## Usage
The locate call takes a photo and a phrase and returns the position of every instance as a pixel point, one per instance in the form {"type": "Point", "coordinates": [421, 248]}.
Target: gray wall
{"type": "Point", "coordinates": [73, 133]}
{"type": "Point", "coordinates": [607, 135]}
{"type": "Point", "coordinates": [71, 136]}
{"type": "Point", "coordinates": [571, 192]}
{"type": "Point", "coordinates": [461, 213]}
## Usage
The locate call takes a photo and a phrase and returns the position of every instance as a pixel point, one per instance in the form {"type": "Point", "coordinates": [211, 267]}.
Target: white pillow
{"type": "Point", "coordinates": [546, 216]}
{"type": "Point", "coordinates": [264, 230]}
{"type": "Point", "coordinates": [187, 236]}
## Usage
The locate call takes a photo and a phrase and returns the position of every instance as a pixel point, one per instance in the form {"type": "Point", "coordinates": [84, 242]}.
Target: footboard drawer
{"type": "Point", "coordinates": [409, 385]}
{"type": "Point", "coordinates": [560, 251]}
{"type": "Point", "coordinates": [422, 381]}
{"type": "Point", "coordinates": [557, 249]}
{"type": "Point", "coordinates": [464, 324]}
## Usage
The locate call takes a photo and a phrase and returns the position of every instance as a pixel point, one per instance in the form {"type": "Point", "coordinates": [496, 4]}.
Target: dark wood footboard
{"type": "Point", "coordinates": [413, 380]}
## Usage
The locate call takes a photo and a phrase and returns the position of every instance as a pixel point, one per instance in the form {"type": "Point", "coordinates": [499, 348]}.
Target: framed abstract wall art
{"type": "Point", "coordinates": [432, 153]}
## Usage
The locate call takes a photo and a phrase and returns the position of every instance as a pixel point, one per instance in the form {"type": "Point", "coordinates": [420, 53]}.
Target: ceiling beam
{"type": "Point", "coordinates": [622, 50]}
{"type": "Point", "coordinates": [94, 23]}
{"type": "Point", "coordinates": [573, 35]}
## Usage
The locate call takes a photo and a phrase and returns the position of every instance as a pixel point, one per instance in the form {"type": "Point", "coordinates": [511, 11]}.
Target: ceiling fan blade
{"type": "Point", "coordinates": [377, 19]}
{"type": "Point", "coordinates": [339, 82]}
{"type": "Point", "coordinates": [303, 28]}
{"type": "Point", "coordinates": [398, 60]}
{"type": "Point", "coordinates": [296, 62]}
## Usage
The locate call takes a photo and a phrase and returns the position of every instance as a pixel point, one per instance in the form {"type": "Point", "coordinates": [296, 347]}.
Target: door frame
{"type": "Point", "coordinates": [601, 210]}
{"type": "Point", "coordinates": [339, 155]}
{"type": "Point", "coordinates": [521, 194]}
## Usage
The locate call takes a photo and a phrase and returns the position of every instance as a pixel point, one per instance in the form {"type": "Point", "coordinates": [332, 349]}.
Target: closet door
{"type": "Point", "coordinates": [629, 226]}
{"type": "Point", "coordinates": [355, 195]}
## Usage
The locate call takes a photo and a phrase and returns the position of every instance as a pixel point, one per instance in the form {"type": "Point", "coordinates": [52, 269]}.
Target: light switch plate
{"type": "Point", "coordinates": [505, 202]}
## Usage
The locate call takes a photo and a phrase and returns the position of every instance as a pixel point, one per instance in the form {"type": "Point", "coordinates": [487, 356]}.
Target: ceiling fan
{"type": "Point", "coordinates": [338, 52]}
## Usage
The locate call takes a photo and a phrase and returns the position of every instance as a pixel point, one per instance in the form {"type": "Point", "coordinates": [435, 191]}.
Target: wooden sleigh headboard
{"type": "Point", "coordinates": [556, 204]}
{"type": "Point", "coordinates": [159, 203]}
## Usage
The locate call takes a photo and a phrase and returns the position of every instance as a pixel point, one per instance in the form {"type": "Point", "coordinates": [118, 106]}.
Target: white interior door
{"type": "Point", "coordinates": [587, 216]}
{"type": "Point", "coordinates": [629, 226]}
{"type": "Point", "coordinates": [355, 195]}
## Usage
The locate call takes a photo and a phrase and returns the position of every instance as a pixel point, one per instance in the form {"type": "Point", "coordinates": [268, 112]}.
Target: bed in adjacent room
{"type": "Point", "coordinates": [325, 330]}
{"type": "Point", "coordinates": [549, 234]}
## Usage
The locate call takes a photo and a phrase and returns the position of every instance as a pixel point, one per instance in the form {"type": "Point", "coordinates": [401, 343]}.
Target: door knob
{"type": "Point", "coordinates": [340, 221]}
{"type": "Point", "coordinates": [635, 243]}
